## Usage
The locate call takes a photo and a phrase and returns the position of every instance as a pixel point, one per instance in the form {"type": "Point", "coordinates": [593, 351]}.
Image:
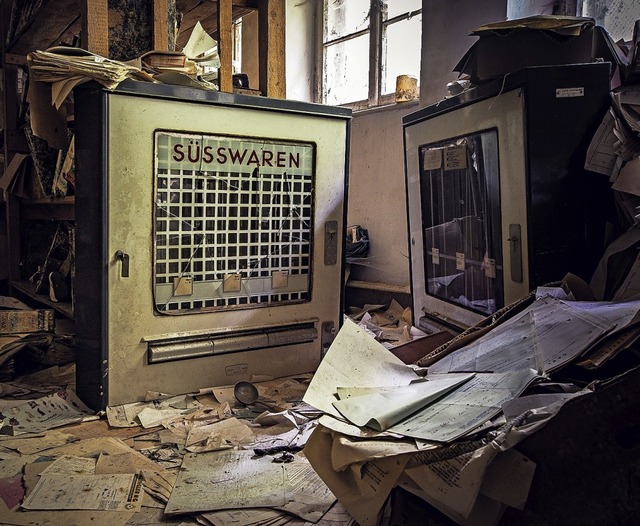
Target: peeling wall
{"type": "Point", "coordinates": [616, 16]}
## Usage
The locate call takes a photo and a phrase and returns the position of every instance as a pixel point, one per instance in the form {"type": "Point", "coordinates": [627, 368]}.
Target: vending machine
{"type": "Point", "coordinates": [209, 238]}
{"type": "Point", "coordinates": [498, 199]}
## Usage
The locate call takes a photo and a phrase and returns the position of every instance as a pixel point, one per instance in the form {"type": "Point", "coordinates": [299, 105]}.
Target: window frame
{"type": "Point", "coordinates": [376, 29]}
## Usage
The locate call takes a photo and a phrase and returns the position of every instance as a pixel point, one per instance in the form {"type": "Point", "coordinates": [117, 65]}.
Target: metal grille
{"type": "Point", "coordinates": [233, 222]}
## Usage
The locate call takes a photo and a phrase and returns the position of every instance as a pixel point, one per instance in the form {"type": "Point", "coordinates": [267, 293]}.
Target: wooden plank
{"type": "Point", "coordinates": [59, 209]}
{"type": "Point", "coordinates": [17, 60]}
{"type": "Point", "coordinates": [29, 289]}
{"type": "Point", "coordinates": [95, 26]}
{"type": "Point", "coordinates": [271, 42]}
{"type": "Point", "coordinates": [160, 25]}
{"type": "Point", "coordinates": [225, 45]}
{"type": "Point", "coordinates": [250, 4]}
{"type": "Point", "coordinates": [205, 12]}
{"type": "Point", "coordinates": [53, 22]}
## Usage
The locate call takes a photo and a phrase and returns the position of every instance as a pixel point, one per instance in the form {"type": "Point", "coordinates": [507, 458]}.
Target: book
{"type": "Point", "coordinates": [20, 321]}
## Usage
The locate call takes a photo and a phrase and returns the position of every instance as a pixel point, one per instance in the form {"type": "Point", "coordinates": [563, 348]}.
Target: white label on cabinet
{"type": "Point", "coordinates": [562, 93]}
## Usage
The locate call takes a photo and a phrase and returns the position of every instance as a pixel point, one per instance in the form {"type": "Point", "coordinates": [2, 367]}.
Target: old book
{"type": "Point", "coordinates": [44, 163]}
{"type": "Point", "coordinates": [164, 59]}
{"type": "Point", "coordinates": [23, 321]}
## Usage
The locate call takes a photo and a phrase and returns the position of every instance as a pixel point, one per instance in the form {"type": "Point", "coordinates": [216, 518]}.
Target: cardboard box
{"type": "Point", "coordinates": [500, 53]}
{"type": "Point", "coordinates": [507, 47]}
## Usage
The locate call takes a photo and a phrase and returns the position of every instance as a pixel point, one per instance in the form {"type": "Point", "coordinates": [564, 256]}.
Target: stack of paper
{"type": "Point", "coordinates": [360, 384]}
{"type": "Point", "coordinates": [615, 148]}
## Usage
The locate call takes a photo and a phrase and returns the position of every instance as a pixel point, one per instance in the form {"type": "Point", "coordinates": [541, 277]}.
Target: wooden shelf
{"type": "Point", "coordinates": [29, 289]}
{"type": "Point", "coordinates": [54, 208]}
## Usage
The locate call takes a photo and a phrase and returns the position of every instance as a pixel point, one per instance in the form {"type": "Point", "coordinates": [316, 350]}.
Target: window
{"type": "Point", "coordinates": [366, 44]}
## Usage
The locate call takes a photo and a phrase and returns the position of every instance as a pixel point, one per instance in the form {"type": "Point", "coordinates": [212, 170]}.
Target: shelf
{"type": "Point", "coordinates": [29, 289]}
{"type": "Point", "coordinates": [54, 208]}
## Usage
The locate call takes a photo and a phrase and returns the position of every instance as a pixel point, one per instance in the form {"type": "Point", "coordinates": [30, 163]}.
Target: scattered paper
{"type": "Point", "coordinates": [227, 479]}
{"type": "Point", "coordinates": [466, 408]}
{"type": "Point", "coordinates": [381, 408]}
{"type": "Point", "coordinates": [55, 410]}
{"type": "Point", "coordinates": [86, 492]}
{"type": "Point", "coordinates": [361, 488]}
{"type": "Point", "coordinates": [546, 336]}
{"type": "Point", "coordinates": [354, 359]}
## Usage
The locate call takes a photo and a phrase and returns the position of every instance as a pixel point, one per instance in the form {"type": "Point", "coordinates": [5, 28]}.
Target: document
{"type": "Point", "coordinates": [48, 412]}
{"type": "Point", "coordinates": [453, 485]}
{"type": "Point", "coordinates": [602, 155]}
{"type": "Point", "coordinates": [346, 450]}
{"type": "Point", "coordinates": [220, 435]}
{"type": "Point", "coordinates": [361, 488]}
{"type": "Point", "coordinates": [310, 498]}
{"type": "Point", "coordinates": [382, 407]}
{"type": "Point", "coordinates": [546, 336]}
{"type": "Point", "coordinates": [355, 359]}
{"type": "Point", "coordinates": [228, 479]}
{"type": "Point", "coordinates": [64, 63]}
{"type": "Point", "coordinates": [86, 492]}
{"type": "Point", "coordinates": [466, 408]}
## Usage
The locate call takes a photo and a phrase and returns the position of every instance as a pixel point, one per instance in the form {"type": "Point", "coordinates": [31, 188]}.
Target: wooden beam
{"type": "Point", "coordinates": [95, 26]}
{"type": "Point", "coordinates": [251, 4]}
{"type": "Point", "coordinates": [16, 60]}
{"type": "Point", "coordinates": [160, 25]}
{"type": "Point", "coordinates": [271, 43]}
{"type": "Point", "coordinates": [225, 45]}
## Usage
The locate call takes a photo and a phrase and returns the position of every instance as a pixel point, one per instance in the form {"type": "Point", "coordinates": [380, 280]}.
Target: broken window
{"type": "Point", "coordinates": [366, 45]}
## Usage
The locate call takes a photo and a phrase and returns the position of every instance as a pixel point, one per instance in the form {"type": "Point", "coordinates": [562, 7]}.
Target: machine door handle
{"type": "Point", "coordinates": [124, 258]}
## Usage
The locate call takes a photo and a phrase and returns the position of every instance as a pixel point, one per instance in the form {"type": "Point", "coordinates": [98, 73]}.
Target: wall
{"type": "Point", "coordinates": [301, 49]}
{"type": "Point", "coordinates": [446, 25]}
{"type": "Point", "coordinates": [376, 179]}
{"type": "Point", "coordinates": [377, 193]}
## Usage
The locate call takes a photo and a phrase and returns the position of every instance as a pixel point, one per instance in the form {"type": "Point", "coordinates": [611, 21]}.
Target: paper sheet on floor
{"type": "Point", "coordinates": [86, 492]}
{"type": "Point", "coordinates": [227, 479]}
{"type": "Point", "coordinates": [48, 412]}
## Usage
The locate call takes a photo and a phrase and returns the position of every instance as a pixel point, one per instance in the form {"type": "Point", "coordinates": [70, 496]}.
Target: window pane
{"type": "Point", "coordinates": [402, 56]}
{"type": "Point", "coordinates": [459, 183]}
{"type": "Point", "coordinates": [399, 7]}
{"type": "Point", "coordinates": [344, 17]}
{"type": "Point", "coordinates": [346, 70]}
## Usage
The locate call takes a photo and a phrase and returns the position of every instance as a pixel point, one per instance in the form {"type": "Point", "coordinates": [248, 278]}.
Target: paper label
{"type": "Point", "coordinates": [183, 286]}
{"type": "Point", "coordinates": [459, 260]}
{"type": "Point", "coordinates": [232, 283]}
{"type": "Point", "coordinates": [489, 267]}
{"type": "Point", "coordinates": [432, 159]}
{"type": "Point", "coordinates": [562, 93]}
{"type": "Point", "coordinates": [435, 256]}
{"type": "Point", "coordinates": [455, 157]}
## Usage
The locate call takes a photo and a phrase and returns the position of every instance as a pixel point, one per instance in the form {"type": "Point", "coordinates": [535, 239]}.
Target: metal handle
{"type": "Point", "coordinates": [124, 258]}
{"type": "Point", "coordinates": [515, 251]}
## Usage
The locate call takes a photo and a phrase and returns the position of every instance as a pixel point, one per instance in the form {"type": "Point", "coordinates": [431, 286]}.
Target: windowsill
{"type": "Point", "coordinates": [383, 107]}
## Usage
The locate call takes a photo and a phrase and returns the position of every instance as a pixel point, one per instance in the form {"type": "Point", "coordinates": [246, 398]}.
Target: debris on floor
{"type": "Point", "coordinates": [200, 458]}
{"type": "Point", "coordinates": [330, 448]}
